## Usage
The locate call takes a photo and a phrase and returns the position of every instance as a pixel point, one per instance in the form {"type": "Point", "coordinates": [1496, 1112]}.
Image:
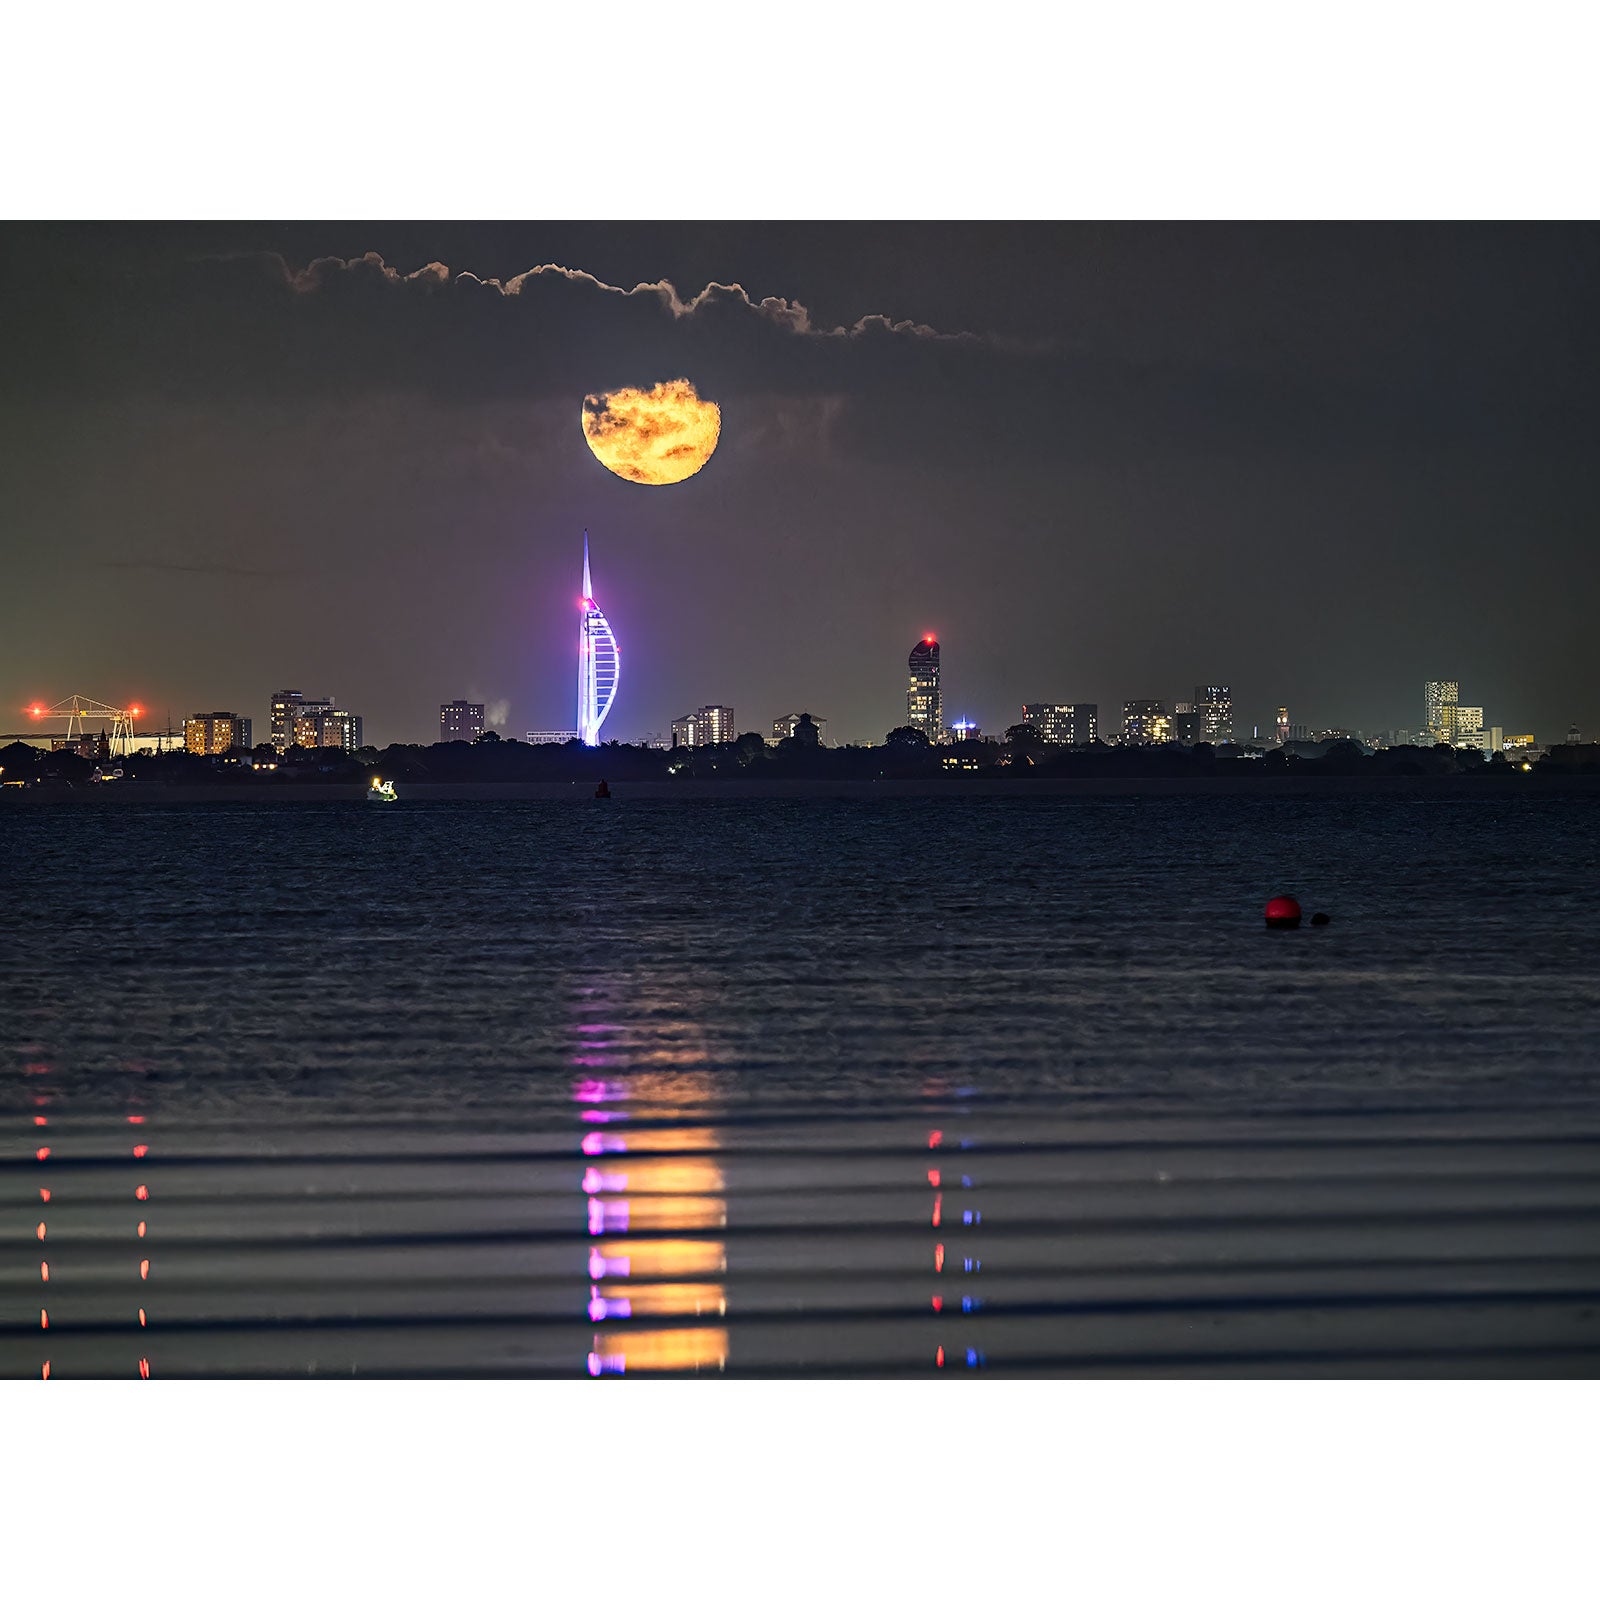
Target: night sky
{"type": "Point", "coordinates": [1319, 463]}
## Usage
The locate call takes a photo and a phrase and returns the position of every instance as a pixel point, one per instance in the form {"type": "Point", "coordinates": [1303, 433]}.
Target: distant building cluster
{"type": "Point", "coordinates": [1446, 721]}
{"type": "Point", "coordinates": [313, 724]}
{"type": "Point", "coordinates": [708, 725]}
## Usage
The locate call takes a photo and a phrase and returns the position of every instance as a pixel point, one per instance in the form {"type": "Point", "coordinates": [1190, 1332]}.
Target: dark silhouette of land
{"type": "Point", "coordinates": [904, 760]}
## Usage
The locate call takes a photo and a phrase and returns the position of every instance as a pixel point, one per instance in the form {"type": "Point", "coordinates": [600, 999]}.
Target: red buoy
{"type": "Point", "coordinates": [1283, 911]}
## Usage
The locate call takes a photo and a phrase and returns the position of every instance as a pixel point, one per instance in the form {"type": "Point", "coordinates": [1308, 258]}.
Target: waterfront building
{"type": "Point", "coordinates": [287, 705]}
{"type": "Point", "coordinates": [1439, 702]}
{"type": "Point", "coordinates": [1076, 723]}
{"type": "Point", "coordinates": [1214, 703]}
{"type": "Point", "coordinates": [924, 703]}
{"type": "Point", "coordinates": [1518, 741]}
{"type": "Point", "coordinates": [1146, 722]}
{"type": "Point", "coordinates": [1283, 725]}
{"type": "Point", "coordinates": [459, 719]}
{"type": "Point", "coordinates": [551, 736]}
{"type": "Point", "coordinates": [211, 733]}
{"type": "Point", "coordinates": [1467, 728]}
{"type": "Point", "coordinates": [312, 724]}
{"type": "Point", "coordinates": [708, 725]}
{"type": "Point", "coordinates": [964, 728]}
{"type": "Point", "coordinates": [329, 727]}
{"type": "Point", "coordinates": [783, 727]}
{"type": "Point", "coordinates": [599, 664]}
{"type": "Point", "coordinates": [1188, 724]}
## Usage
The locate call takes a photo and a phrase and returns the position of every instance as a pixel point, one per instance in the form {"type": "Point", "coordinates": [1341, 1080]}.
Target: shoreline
{"type": "Point", "coordinates": [1453, 787]}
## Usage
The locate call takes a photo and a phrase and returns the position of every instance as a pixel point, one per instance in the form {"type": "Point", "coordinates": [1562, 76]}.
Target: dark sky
{"type": "Point", "coordinates": [1320, 463]}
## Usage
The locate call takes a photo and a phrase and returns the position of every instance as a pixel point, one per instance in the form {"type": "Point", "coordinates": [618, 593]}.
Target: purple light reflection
{"type": "Point", "coordinates": [608, 1216]}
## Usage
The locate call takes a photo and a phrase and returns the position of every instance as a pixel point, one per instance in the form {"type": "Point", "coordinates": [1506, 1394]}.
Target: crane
{"type": "Point", "coordinates": [77, 708]}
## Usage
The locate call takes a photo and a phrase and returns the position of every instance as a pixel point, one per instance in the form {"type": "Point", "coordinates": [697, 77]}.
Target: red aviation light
{"type": "Point", "coordinates": [135, 711]}
{"type": "Point", "coordinates": [928, 638]}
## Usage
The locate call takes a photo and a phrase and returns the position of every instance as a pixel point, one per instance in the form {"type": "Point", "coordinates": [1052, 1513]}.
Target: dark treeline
{"type": "Point", "coordinates": [905, 753]}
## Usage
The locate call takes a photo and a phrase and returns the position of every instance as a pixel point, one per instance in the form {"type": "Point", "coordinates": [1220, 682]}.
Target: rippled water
{"type": "Point", "coordinates": [939, 1087]}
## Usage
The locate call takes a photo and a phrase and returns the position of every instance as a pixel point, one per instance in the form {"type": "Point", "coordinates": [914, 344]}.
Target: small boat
{"type": "Point", "coordinates": [382, 790]}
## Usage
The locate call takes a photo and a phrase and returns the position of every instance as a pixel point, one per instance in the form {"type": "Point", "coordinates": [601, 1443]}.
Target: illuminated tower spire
{"type": "Point", "coordinates": [598, 661]}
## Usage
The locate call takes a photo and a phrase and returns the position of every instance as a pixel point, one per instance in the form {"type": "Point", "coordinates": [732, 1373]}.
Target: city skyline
{"type": "Point", "coordinates": [1042, 444]}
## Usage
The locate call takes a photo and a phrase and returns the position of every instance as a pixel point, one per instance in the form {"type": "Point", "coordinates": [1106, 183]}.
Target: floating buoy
{"type": "Point", "coordinates": [603, 792]}
{"type": "Point", "coordinates": [1283, 911]}
{"type": "Point", "coordinates": [1320, 920]}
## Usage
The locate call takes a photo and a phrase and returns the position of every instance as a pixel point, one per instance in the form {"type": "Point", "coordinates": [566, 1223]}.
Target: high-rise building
{"type": "Point", "coordinates": [1146, 722]}
{"type": "Point", "coordinates": [312, 724]}
{"type": "Point", "coordinates": [1466, 732]}
{"type": "Point", "coordinates": [1062, 724]}
{"type": "Point", "coordinates": [329, 727]}
{"type": "Point", "coordinates": [1214, 703]}
{"type": "Point", "coordinates": [599, 664]}
{"type": "Point", "coordinates": [783, 727]}
{"type": "Point", "coordinates": [459, 719]}
{"type": "Point", "coordinates": [708, 725]}
{"type": "Point", "coordinates": [1283, 725]}
{"type": "Point", "coordinates": [1188, 725]}
{"type": "Point", "coordinates": [924, 704]}
{"type": "Point", "coordinates": [287, 705]}
{"type": "Point", "coordinates": [1440, 710]}
{"type": "Point", "coordinates": [210, 733]}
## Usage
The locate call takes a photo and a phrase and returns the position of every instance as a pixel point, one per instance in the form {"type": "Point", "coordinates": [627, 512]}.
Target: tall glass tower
{"type": "Point", "coordinates": [924, 707]}
{"type": "Point", "coordinates": [598, 662]}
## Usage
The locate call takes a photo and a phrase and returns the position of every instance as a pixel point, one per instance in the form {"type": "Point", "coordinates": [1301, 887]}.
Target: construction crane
{"type": "Point", "coordinates": [76, 709]}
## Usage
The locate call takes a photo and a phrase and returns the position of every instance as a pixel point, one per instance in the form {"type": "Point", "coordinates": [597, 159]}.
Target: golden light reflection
{"type": "Point", "coordinates": [660, 435]}
{"type": "Point", "coordinates": [647, 1189]}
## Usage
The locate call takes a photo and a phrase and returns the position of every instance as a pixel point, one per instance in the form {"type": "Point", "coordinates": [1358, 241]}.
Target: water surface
{"type": "Point", "coordinates": [943, 1087]}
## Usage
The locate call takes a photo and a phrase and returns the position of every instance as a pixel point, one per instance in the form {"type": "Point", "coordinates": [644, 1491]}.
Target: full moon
{"type": "Point", "coordinates": [659, 435]}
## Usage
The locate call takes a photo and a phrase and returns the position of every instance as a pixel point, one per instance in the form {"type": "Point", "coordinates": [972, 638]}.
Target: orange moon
{"type": "Point", "coordinates": [659, 435]}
